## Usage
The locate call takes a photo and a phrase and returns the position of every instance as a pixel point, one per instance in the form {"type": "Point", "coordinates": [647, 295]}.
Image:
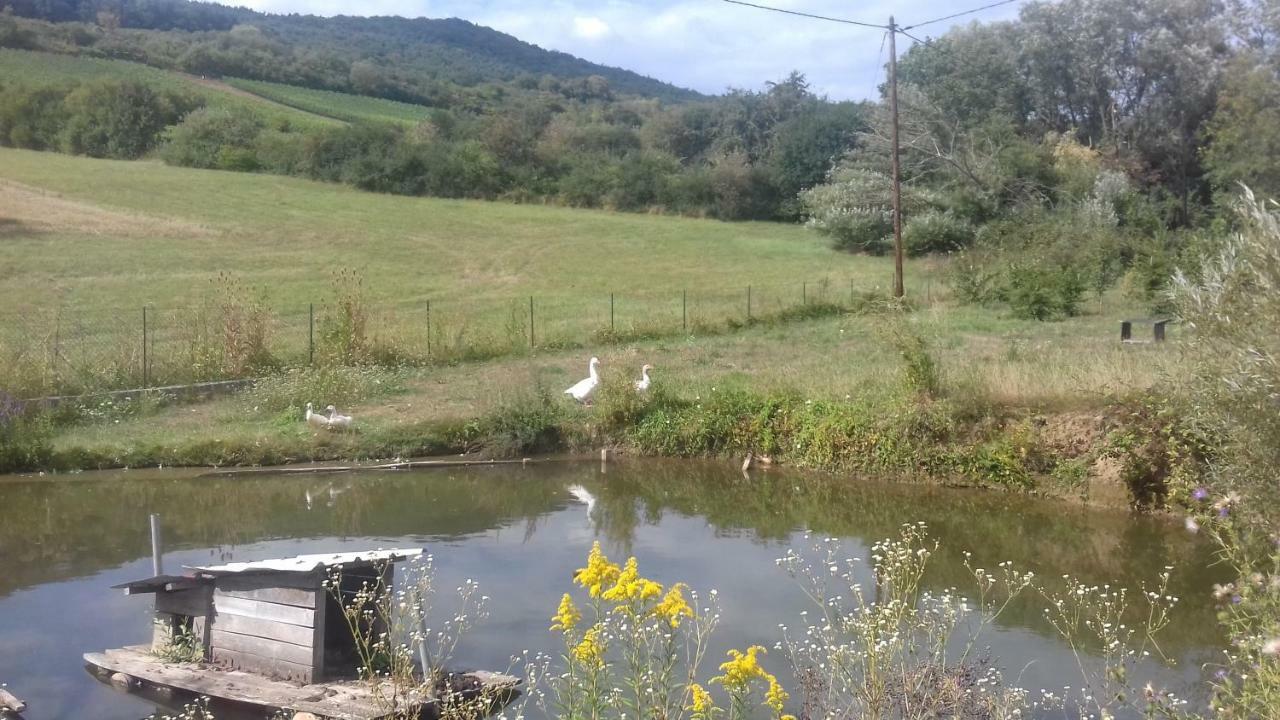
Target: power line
{"type": "Point", "coordinates": [959, 14]}
{"type": "Point", "coordinates": [808, 15]}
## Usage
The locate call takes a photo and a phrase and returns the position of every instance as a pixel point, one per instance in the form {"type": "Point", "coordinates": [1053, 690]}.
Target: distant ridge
{"type": "Point", "coordinates": [398, 54]}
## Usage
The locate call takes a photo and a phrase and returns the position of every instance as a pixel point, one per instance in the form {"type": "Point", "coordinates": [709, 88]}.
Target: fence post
{"type": "Point", "coordinates": [145, 372]}
{"type": "Point", "coordinates": [850, 292]}
{"type": "Point", "coordinates": [612, 327]}
{"type": "Point", "coordinates": [311, 334]}
{"type": "Point", "coordinates": [748, 303]}
{"type": "Point", "coordinates": [804, 293]}
{"type": "Point", "coordinates": [684, 310]}
{"type": "Point", "coordinates": [532, 343]}
{"type": "Point", "coordinates": [428, 328]}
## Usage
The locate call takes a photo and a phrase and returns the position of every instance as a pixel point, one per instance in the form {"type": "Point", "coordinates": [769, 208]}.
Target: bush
{"type": "Point", "coordinates": [119, 119]}
{"type": "Point", "coordinates": [25, 436]}
{"type": "Point", "coordinates": [1036, 291]}
{"type": "Point", "coordinates": [935, 232]}
{"type": "Point", "coordinates": [214, 138]}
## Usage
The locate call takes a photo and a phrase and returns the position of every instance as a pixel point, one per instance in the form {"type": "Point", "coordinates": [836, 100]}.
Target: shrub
{"type": "Point", "coordinates": [527, 422]}
{"type": "Point", "coordinates": [214, 138]}
{"type": "Point", "coordinates": [935, 232]}
{"type": "Point", "coordinates": [919, 369]}
{"type": "Point", "coordinates": [1035, 291]}
{"type": "Point", "coordinates": [119, 119]}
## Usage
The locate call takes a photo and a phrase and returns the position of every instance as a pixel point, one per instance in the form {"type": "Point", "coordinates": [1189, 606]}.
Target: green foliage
{"type": "Point", "coordinates": [119, 119]}
{"type": "Point", "coordinates": [920, 375]}
{"type": "Point", "coordinates": [25, 436]}
{"type": "Point", "coordinates": [526, 422]}
{"type": "Point", "coordinates": [935, 232]}
{"type": "Point", "coordinates": [1035, 291]}
{"type": "Point", "coordinates": [214, 138]}
{"type": "Point", "coordinates": [1245, 130]}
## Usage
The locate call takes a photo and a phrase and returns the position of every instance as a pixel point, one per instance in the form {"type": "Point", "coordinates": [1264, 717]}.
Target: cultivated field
{"type": "Point", "coordinates": [40, 69]}
{"type": "Point", "coordinates": [340, 106]}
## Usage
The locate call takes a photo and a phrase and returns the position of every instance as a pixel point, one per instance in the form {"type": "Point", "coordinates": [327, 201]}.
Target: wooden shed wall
{"type": "Point", "coordinates": [260, 626]}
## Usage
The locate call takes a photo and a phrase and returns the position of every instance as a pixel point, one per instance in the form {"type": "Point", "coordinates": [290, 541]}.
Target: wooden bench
{"type": "Point", "coordinates": [1157, 329]}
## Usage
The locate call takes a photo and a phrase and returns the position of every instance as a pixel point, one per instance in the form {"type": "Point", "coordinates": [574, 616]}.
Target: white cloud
{"type": "Point", "coordinates": [706, 45]}
{"type": "Point", "coordinates": [590, 28]}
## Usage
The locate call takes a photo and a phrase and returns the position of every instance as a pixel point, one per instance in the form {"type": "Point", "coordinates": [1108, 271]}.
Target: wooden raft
{"type": "Point", "coordinates": [10, 705]}
{"type": "Point", "coordinates": [350, 700]}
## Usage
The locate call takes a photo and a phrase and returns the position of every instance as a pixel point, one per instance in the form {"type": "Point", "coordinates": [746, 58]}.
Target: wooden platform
{"type": "Point", "coordinates": [347, 700]}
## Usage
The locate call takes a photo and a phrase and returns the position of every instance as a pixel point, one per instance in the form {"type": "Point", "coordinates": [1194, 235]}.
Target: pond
{"type": "Point", "coordinates": [521, 531]}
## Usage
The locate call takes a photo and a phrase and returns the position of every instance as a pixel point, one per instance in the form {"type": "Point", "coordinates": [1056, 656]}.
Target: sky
{"type": "Point", "coordinates": [706, 45]}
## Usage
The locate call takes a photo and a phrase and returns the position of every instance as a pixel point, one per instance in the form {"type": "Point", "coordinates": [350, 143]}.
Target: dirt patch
{"type": "Point", "coordinates": [1074, 434]}
{"type": "Point", "coordinates": [26, 210]}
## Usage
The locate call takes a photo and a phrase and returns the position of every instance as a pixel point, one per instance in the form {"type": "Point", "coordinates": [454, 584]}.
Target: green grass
{"type": "Point", "coordinates": [39, 69]}
{"type": "Point", "coordinates": [340, 106]}
{"type": "Point", "coordinates": [143, 232]}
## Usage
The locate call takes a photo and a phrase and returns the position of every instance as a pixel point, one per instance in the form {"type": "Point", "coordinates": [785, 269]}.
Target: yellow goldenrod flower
{"type": "Point", "coordinates": [567, 615]}
{"type": "Point", "coordinates": [787, 717]}
{"type": "Point", "coordinates": [700, 700]}
{"type": "Point", "coordinates": [590, 652]}
{"type": "Point", "coordinates": [599, 572]}
{"type": "Point", "coordinates": [740, 669]}
{"type": "Point", "coordinates": [673, 606]}
{"type": "Point", "coordinates": [775, 696]}
{"type": "Point", "coordinates": [629, 586]}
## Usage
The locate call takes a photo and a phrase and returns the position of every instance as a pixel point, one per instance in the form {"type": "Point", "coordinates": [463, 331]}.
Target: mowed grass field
{"type": "Point", "coordinates": [98, 233]}
{"type": "Point", "coordinates": [38, 69]}
{"type": "Point", "coordinates": [341, 106]}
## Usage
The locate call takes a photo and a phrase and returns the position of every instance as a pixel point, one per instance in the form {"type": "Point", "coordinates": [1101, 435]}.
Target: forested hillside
{"type": "Point", "coordinates": [414, 60]}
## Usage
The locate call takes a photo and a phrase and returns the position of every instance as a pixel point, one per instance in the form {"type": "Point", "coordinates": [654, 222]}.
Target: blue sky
{"type": "Point", "coordinates": [706, 45]}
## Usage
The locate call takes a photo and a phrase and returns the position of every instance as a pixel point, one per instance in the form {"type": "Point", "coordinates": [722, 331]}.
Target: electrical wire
{"type": "Point", "coordinates": [959, 14]}
{"type": "Point", "coordinates": [808, 15]}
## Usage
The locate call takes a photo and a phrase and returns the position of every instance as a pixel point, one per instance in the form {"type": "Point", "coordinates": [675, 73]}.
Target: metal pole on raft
{"type": "Point", "coordinates": [157, 560]}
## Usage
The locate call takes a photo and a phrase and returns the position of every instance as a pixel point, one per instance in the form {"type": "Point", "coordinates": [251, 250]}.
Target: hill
{"type": "Point", "coordinates": [409, 59]}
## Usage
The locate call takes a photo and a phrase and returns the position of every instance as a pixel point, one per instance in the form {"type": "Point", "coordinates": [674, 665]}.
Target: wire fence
{"type": "Point", "coordinates": [75, 350]}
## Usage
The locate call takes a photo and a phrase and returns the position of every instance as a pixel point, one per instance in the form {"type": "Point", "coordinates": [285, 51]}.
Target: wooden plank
{"type": "Point", "coordinates": [349, 699]}
{"type": "Point", "coordinates": [260, 610]}
{"type": "Point", "coordinates": [268, 592]}
{"type": "Point", "coordinates": [194, 602]}
{"type": "Point", "coordinates": [273, 649]}
{"type": "Point", "coordinates": [293, 634]}
{"type": "Point", "coordinates": [335, 700]}
{"type": "Point", "coordinates": [269, 667]}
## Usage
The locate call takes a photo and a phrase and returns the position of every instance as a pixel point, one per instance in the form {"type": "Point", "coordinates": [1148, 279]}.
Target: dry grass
{"type": "Point", "coordinates": [31, 211]}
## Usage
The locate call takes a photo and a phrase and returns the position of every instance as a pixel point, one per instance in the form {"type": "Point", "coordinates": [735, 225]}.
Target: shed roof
{"type": "Point", "coordinates": [309, 563]}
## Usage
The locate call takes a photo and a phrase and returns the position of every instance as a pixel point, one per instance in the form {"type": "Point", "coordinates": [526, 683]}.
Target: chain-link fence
{"type": "Point", "coordinates": [73, 350]}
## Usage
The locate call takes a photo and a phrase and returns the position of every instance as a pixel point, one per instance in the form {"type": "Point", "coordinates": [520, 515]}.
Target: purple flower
{"type": "Point", "coordinates": [1199, 494]}
{"type": "Point", "coordinates": [1224, 511]}
{"type": "Point", "coordinates": [1220, 675]}
{"type": "Point", "coordinates": [1236, 599]}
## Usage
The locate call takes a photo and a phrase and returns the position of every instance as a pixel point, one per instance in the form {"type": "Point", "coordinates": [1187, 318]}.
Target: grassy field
{"type": "Point", "coordinates": [99, 239]}
{"type": "Point", "coordinates": [39, 69]}
{"type": "Point", "coordinates": [340, 106]}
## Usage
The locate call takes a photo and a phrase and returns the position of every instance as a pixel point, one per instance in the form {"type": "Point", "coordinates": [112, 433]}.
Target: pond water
{"type": "Point", "coordinates": [520, 532]}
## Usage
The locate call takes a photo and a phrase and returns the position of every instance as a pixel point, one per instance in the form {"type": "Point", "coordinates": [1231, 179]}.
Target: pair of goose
{"type": "Point", "coordinates": [582, 390]}
{"type": "Point", "coordinates": [331, 421]}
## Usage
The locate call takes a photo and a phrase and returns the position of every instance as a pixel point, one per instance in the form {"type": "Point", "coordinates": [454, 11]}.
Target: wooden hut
{"type": "Point", "coordinates": [269, 632]}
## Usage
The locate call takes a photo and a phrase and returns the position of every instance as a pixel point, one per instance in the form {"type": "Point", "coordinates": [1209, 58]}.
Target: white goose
{"type": "Point", "coordinates": [581, 391]}
{"type": "Point", "coordinates": [316, 420]}
{"type": "Point", "coordinates": [643, 383]}
{"type": "Point", "coordinates": [336, 420]}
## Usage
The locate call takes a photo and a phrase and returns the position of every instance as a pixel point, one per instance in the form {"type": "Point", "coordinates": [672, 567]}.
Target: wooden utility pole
{"type": "Point", "coordinates": [898, 290]}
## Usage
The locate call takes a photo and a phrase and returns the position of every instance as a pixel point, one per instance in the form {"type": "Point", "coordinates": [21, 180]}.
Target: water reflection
{"type": "Point", "coordinates": [521, 531]}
